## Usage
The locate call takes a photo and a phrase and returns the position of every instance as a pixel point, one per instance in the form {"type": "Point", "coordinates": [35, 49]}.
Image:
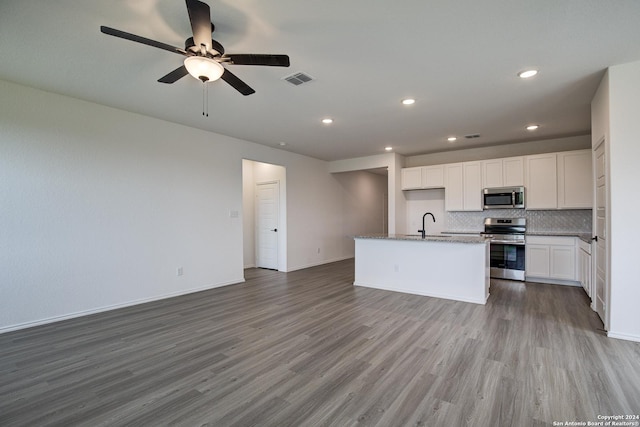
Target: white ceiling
{"type": "Point", "coordinates": [458, 58]}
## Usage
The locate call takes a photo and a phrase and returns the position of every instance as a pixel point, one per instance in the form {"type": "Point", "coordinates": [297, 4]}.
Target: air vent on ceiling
{"type": "Point", "coordinates": [298, 78]}
{"type": "Point", "coordinates": [472, 136]}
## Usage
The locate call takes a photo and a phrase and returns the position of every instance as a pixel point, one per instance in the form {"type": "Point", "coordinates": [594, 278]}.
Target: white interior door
{"type": "Point", "coordinates": [267, 212]}
{"type": "Point", "coordinates": [601, 267]}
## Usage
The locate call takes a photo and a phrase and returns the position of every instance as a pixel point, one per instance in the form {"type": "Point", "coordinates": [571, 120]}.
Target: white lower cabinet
{"type": "Point", "coordinates": [563, 262]}
{"type": "Point", "coordinates": [537, 260]}
{"type": "Point", "coordinates": [550, 259]}
{"type": "Point", "coordinates": [584, 266]}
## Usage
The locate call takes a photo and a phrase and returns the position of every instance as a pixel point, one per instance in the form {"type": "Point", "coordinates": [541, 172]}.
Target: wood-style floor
{"type": "Point", "coordinates": [308, 349]}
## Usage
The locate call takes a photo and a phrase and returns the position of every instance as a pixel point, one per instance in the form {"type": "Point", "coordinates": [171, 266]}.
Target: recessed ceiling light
{"type": "Point", "coordinates": [533, 127]}
{"type": "Point", "coordinates": [388, 148]}
{"type": "Point", "coordinates": [282, 144]}
{"type": "Point", "coordinates": [451, 138]}
{"type": "Point", "coordinates": [408, 101]}
{"type": "Point", "coordinates": [527, 73]}
{"type": "Point", "coordinates": [327, 121]}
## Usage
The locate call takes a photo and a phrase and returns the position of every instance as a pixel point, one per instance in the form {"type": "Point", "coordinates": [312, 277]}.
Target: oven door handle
{"type": "Point", "coordinates": [508, 242]}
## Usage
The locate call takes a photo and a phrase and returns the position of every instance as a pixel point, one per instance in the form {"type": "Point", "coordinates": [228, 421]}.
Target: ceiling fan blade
{"type": "Point", "coordinates": [236, 83]}
{"type": "Point", "coordinates": [140, 39]}
{"type": "Point", "coordinates": [259, 59]}
{"type": "Point", "coordinates": [175, 75]}
{"type": "Point", "coordinates": [200, 17]}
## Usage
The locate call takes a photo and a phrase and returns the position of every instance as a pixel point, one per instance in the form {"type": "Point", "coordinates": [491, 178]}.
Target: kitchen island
{"type": "Point", "coordinates": [450, 267]}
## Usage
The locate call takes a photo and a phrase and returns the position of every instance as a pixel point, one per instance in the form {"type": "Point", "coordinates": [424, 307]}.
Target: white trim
{"type": "Point", "coordinates": [54, 319]}
{"type": "Point", "coordinates": [549, 281]}
{"type": "Point", "coordinates": [422, 293]}
{"type": "Point", "coordinates": [626, 337]}
{"type": "Point", "coordinates": [315, 264]}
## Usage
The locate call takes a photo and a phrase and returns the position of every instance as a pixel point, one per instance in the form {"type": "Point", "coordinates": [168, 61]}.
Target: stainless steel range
{"type": "Point", "coordinates": [506, 247]}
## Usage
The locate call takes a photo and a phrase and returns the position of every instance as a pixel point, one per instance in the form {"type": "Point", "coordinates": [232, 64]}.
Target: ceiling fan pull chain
{"type": "Point", "coordinates": [203, 98]}
{"type": "Point", "coordinates": [206, 91]}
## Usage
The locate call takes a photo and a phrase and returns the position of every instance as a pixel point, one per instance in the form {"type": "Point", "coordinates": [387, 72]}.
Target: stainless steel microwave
{"type": "Point", "coordinates": [503, 198]}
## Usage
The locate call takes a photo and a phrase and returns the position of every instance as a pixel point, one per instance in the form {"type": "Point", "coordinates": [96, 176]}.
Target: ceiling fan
{"type": "Point", "coordinates": [204, 56]}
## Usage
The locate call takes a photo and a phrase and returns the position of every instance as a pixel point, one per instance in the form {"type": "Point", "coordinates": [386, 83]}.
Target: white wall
{"type": "Point", "coordinates": [393, 163]}
{"type": "Point", "coordinates": [248, 215]}
{"type": "Point", "coordinates": [100, 206]}
{"type": "Point", "coordinates": [364, 203]}
{"type": "Point", "coordinates": [499, 151]}
{"type": "Point", "coordinates": [624, 173]}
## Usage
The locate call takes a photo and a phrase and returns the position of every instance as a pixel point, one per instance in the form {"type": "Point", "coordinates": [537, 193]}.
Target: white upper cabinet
{"type": "Point", "coordinates": [463, 187]}
{"type": "Point", "coordinates": [433, 176]}
{"type": "Point", "coordinates": [423, 177]}
{"type": "Point", "coordinates": [513, 171]}
{"type": "Point", "coordinates": [492, 173]}
{"type": "Point", "coordinates": [575, 181]}
{"type": "Point", "coordinates": [541, 183]}
{"type": "Point", "coordinates": [453, 187]}
{"type": "Point", "coordinates": [472, 187]}
{"type": "Point", "coordinates": [411, 178]}
{"type": "Point", "coordinates": [552, 180]}
{"type": "Point", "coordinates": [559, 180]}
{"type": "Point", "coordinates": [507, 172]}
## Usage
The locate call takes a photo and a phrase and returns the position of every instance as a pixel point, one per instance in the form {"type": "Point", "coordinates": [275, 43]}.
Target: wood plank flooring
{"type": "Point", "coordinates": [308, 349]}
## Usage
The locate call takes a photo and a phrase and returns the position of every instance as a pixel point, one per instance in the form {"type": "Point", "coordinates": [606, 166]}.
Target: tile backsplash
{"type": "Point", "coordinates": [576, 220]}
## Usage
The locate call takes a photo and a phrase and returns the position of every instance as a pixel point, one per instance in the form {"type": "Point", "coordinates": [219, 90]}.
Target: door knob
{"type": "Point", "coordinates": [275, 229]}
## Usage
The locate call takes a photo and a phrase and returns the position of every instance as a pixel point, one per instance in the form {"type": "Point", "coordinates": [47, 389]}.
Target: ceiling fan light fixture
{"type": "Point", "coordinates": [203, 68]}
{"type": "Point", "coordinates": [527, 74]}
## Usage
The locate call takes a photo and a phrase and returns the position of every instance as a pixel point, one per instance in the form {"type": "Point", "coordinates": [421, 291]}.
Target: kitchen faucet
{"type": "Point", "coordinates": [424, 229]}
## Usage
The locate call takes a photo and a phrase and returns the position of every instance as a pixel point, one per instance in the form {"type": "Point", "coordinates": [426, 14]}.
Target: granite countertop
{"type": "Point", "coordinates": [585, 237]}
{"type": "Point", "coordinates": [468, 232]}
{"type": "Point", "coordinates": [428, 238]}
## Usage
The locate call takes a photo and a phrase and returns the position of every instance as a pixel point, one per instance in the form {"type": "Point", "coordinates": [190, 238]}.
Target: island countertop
{"type": "Point", "coordinates": [428, 238]}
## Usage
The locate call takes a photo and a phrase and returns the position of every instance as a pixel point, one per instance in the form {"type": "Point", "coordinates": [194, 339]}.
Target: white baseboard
{"type": "Point", "coordinates": [315, 264]}
{"type": "Point", "coordinates": [625, 337]}
{"type": "Point", "coordinates": [552, 281]}
{"type": "Point", "coordinates": [424, 294]}
{"type": "Point", "coordinates": [82, 313]}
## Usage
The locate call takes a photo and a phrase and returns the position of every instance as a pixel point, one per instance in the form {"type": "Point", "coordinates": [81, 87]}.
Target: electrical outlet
{"type": "Point", "coordinates": [179, 271]}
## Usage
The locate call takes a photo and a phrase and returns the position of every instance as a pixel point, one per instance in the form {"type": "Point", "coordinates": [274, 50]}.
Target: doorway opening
{"type": "Point", "coordinates": [264, 215]}
{"type": "Point", "coordinates": [365, 199]}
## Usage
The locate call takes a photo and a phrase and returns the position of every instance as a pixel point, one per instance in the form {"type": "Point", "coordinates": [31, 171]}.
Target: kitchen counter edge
{"type": "Point", "coordinates": [428, 238]}
{"type": "Point", "coordinates": [585, 237]}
